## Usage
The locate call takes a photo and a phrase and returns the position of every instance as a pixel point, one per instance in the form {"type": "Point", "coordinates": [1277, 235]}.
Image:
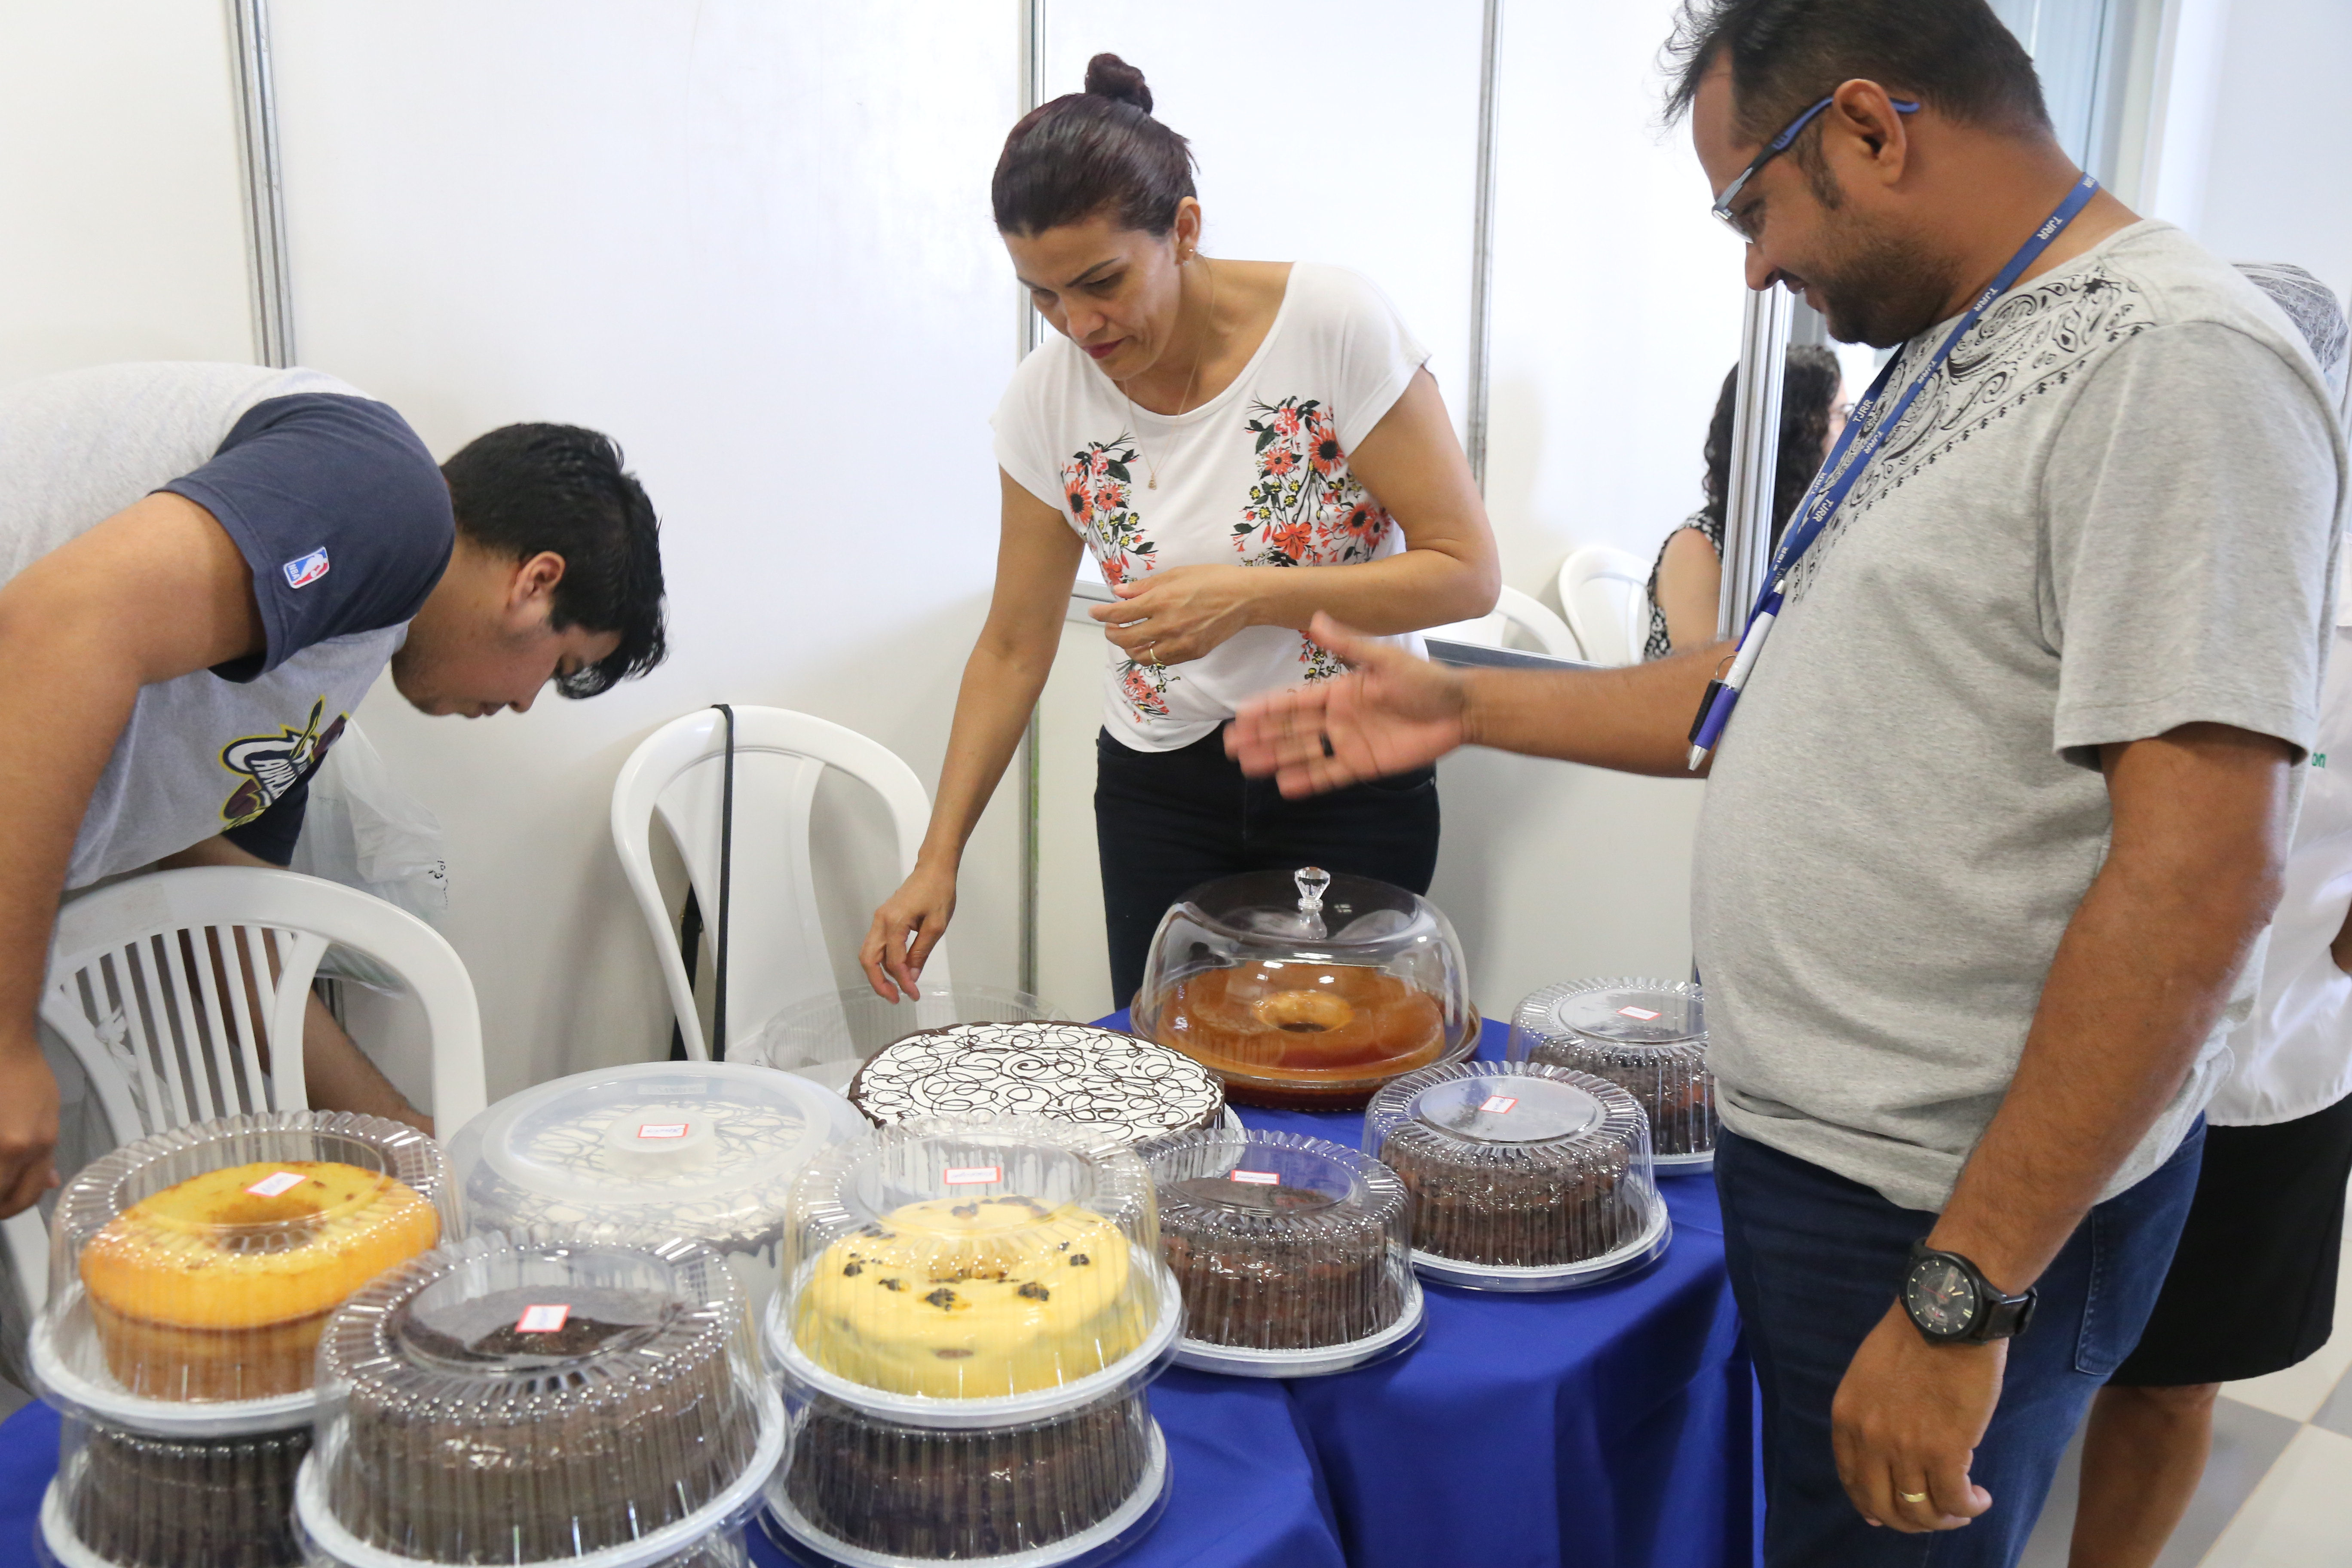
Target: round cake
{"type": "Point", "coordinates": [1516, 1165]}
{"type": "Point", "coordinates": [159, 1503]}
{"type": "Point", "coordinates": [1647, 1036]}
{"type": "Point", "coordinates": [963, 1298]}
{"type": "Point", "coordinates": [1281, 1242]}
{"type": "Point", "coordinates": [951, 1496]}
{"type": "Point", "coordinates": [518, 1399]}
{"type": "Point", "coordinates": [1132, 1091]}
{"type": "Point", "coordinates": [217, 1287]}
{"type": "Point", "coordinates": [1296, 1032]}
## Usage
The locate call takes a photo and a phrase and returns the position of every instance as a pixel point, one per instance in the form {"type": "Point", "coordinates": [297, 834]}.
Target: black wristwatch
{"type": "Point", "coordinates": [1951, 1303]}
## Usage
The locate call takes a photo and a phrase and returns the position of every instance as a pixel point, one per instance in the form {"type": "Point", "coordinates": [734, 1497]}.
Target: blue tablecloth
{"type": "Point", "coordinates": [1609, 1427]}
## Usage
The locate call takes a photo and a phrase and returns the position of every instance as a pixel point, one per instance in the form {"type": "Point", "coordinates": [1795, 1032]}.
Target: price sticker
{"type": "Point", "coordinates": [544, 1318]}
{"type": "Point", "coordinates": [971, 1175]}
{"type": "Point", "coordinates": [1642, 1012]}
{"type": "Point", "coordinates": [1258, 1178]}
{"type": "Point", "coordinates": [276, 1185]}
{"type": "Point", "coordinates": [664, 1129]}
{"type": "Point", "coordinates": [1496, 1104]}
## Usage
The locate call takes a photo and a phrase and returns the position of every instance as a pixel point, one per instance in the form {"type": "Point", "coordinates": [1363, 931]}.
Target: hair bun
{"type": "Point", "coordinates": [1109, 77]}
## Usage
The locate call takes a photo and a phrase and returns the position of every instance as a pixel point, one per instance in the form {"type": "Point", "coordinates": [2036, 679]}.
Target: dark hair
{"type": "Point", "coordinates": [1807, 393]}
{"type": "Point", "coordinates": [558, 487]}
{"type": "Point", "coordinates": [1090, 151]}
{"type": "Point", "coordinates": [1788, 54]}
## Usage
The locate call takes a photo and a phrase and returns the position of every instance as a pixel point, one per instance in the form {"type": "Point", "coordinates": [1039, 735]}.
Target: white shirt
{"type": "Point", "coordinates": [1257, 476]}
{"type": "Point", "coordinates": [2294, 1057]}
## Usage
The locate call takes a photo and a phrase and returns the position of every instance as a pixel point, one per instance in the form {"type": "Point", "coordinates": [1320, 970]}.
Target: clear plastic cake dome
{"type": "Point", "coordinates": [1123, 1089]}
{"type": "Point", "coordinates": [1524, 1176]}
{"type": "Point", "coordinates": [1293, 1254]}
{"type": "Point", "coordinates": [826, 1038]}
{"type": "Point", "coordinates": [1648, 1038]}
{"type": "Point", "coordinates": [1304, 989]}
{"type": "Point", "coordinates": [191, 1273]}
{"type": "Point", "coordinates": [703, 1150]}
{"type": "Point", "coordinates": [125, 1500]}
{"type": "Point", "coordinates": [973, 1273]}
{"type": "Point", "coordinates": [538, 1397]}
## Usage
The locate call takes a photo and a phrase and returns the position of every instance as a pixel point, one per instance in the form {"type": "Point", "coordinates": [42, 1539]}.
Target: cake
{"type": "Point", "coordinates": [516, 1400]}
{"type": "Point", "coordinates": [1516, 1165]}
{"type": "Point", "coordinates": [918, 1493]}
{"type": "Point", "coordinates": [1647, 1036]}
{"type": "Point", "coordinates": [955, 1297]}
{"type": "Point", "coordinates": [217, 1287]}
{"type": "Point", "coordinates": [1296, 1032]}
{"type": "Point", "coordinates": [1131, 1090]}
{"type": "Point", "coordinates": [164, 1502]}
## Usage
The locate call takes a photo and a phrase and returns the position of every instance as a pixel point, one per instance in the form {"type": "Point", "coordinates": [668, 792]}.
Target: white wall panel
{"type": "Point", "coordinates": [752, 241]}
{"type": "Point", "coordinates": [118, 177]}
{"type": "Point", "coordinates": [2275, 184]}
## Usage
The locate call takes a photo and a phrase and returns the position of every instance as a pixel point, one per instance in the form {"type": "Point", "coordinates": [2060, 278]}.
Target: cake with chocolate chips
{"type": "Point", "coordinates": [1132, 1091]}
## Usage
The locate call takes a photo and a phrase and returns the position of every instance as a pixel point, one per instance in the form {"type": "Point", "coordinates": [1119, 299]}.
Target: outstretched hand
{"type": "Point", "coordinates": [1389, 714]}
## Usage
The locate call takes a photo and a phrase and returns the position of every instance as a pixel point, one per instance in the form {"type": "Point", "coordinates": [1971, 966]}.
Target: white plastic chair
{"type": "Point", "coordinates": [167, 987]}
{"type": "Point", "coordinates": [776, 949]}
{"type": "Point", "coordinates": [1525, 611]}
{"type": "Point", "coordinates": [1606, 593]}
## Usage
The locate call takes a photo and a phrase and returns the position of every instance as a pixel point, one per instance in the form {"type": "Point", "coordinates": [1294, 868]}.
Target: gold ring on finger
{"type": "Point", "coordinates": [1913, 1497]}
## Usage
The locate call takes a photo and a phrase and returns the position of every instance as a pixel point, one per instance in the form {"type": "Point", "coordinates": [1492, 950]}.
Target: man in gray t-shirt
{"type": "Point", "coordinates": [1990, 841]}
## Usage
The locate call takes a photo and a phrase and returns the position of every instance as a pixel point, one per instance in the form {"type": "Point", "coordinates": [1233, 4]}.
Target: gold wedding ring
{"type": "Point", "coordinates": [1153, 649]}
{"type": "Point", "coordinates": [1913, 1497]}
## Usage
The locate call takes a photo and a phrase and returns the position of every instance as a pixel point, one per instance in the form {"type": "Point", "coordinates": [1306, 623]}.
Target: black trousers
{"type": "Point", "coordinates": [1166, 822]}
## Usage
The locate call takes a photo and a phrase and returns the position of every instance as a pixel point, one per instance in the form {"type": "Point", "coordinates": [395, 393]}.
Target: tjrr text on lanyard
{"type": "Point", "coordinates": [1830, 486]}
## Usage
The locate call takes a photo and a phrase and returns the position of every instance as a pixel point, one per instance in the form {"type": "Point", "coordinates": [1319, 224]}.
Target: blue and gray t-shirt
{"type": "Point", "coordinates": [338, 508]}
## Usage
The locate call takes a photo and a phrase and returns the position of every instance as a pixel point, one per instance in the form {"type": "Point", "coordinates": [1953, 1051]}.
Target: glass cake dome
{"type": "Point", "coordinates": [1304, 989]}
{"type": "Point", "coordinates": [191, 1273]}
{"type": "Point", "coordinates": [1293, 1254]}
{"type": "Point", "coordinates": [1648, 1038]}
{"type": "Point", "coordinates": [1524, 1176]}
{"type": "Point", "coordinates": [703, 1150]}
{"type": "Point", "coordinates": [537, 1397]}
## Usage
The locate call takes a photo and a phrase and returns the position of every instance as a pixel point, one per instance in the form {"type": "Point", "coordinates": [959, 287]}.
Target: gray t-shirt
{"type": "Point", "coordinates": [2114, 511]}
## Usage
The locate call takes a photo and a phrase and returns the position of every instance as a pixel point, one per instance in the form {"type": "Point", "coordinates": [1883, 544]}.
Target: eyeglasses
{"type": "Point", "coordinates": [1773, 148]}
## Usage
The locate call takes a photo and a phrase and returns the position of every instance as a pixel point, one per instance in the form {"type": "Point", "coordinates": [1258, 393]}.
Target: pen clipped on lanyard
{"type": "Point", "coordinates": [1722, 696]}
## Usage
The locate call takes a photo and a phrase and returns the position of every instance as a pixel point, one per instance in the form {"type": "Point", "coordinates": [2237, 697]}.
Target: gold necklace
{"type": "Point", "coordinates": [1150, 469]}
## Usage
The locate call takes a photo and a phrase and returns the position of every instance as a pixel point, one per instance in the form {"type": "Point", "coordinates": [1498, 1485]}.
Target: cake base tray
{"type": "Point", "coordinates": [806, 1545]}
{"type": "Point", "coordinates": [324, 1535]}
{"type": "Point", "coordinates": [1320, 1360]}
{"type": "Point", "coordinates": [68, 1371]}
{"type": "Point", "coordinates": [1631, 1258]}
{"type": "Point", "coordinates": [1684, 1164]}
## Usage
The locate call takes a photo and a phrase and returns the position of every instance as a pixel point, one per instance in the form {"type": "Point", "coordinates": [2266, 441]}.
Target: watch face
{"type": "Point", "coordinates": [1941, 1298]}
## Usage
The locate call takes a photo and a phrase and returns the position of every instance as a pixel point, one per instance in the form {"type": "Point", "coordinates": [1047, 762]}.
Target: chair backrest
{"type": "Point", "coordinates": [169, 989]}
{"type": "Point", "coordinates": [776, 946]}
{"type": "Point", "coordinates": [1606, 593]}
{"type": "Point", "coordinates": [1530, 614]}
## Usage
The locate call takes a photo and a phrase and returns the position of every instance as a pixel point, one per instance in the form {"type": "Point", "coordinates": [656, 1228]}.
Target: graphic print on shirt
{"type": "Point", "coordinates": [269, 765]}
{"type": "Point", "coordinates": [1098, 483]}
{"type": "Point", "coordinates": [1307, 508]}
{"type": "Point", "coordinates": [2030, 343]}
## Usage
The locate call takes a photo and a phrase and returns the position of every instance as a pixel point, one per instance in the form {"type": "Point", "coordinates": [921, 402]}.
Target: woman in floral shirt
{"type": "Point", "coordinates": [1238, 444]}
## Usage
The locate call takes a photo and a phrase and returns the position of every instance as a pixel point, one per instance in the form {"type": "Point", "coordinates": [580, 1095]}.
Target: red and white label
{"type": "Point", "coordinates": [1258, 1178]}
{"type": "Point", "coordinates": [276, 1185]}
{"type": "Point", "coordinates": [546, 1319]}
{"type": "Point", "coordinates": [1496, 1104]}
{"type": "Point", "coordinates": [1642, 1012]}
{"type": "Point", "coordinates": [971, 1175]}
{"type": "Point", "coordinates": [664, 1129]}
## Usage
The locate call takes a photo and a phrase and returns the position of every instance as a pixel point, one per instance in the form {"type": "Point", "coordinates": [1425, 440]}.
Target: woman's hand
{"type": "Point", "coordinates": [906, 928]}
{"type": "Point", "coordinates": [1181, 613]}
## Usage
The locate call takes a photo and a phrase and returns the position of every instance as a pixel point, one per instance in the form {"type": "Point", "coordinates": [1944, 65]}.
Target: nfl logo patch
{"type": "Point", "coordinates": [304, 570]}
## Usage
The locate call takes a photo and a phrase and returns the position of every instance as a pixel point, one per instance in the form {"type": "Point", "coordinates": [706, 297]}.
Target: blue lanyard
{"type": "Point", "coordinates": [1845, 467]}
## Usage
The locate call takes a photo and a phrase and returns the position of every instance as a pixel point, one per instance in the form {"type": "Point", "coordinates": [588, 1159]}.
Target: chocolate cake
{"type": "Point", "coordinates": [1647, 1036]}
{"type": "Point", "coordinates": [1520, 1165]}
{"type": "Point", "coordinates": [1133, 1090]}
{"type": "Point", "coordinates": [165, 1503]}
{"type": "Point", "coordinates": [949, 1496]}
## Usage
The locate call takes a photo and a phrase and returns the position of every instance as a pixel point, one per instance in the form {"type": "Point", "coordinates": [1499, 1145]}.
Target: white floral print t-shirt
{"type": "Point", "coordinates": [1257, 476]}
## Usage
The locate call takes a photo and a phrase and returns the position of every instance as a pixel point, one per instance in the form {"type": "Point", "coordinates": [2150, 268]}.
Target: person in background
{"type": "Point", "coordinates": [205, 568]}
{"type": "Point", "coordinates": [1238, 444]}
{"type": "Point", "coordinates": [1991, 840]}
{"type": "Point", "coordinates": [1686, 581]}
{"type": "Point", "coordinates": [2251, 1289]}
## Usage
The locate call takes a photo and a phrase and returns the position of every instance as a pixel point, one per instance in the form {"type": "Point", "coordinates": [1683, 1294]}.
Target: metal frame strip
{"type": "Point", "coordinates": [1755, 456]}
{"type": "Point", "coordinates": [265, 191]}
{"type": "Point", "coordinates": [1482, 243]}
{"type": "Point", "coordinates": [1033, 93]}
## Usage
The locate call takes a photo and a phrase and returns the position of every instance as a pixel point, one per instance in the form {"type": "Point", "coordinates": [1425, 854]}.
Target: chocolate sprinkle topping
{"type": "Point", "coordinates": [894, 1284]}
{"type": "Point", "coordinates": [852, 1270]}
{"type": "Point", "coordinates": [941, 1297]}
{"type": "Point", "coordinates": [1034, 1291]}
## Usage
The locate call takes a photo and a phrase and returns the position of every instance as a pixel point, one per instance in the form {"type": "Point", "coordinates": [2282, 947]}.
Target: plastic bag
{"type": "Point", "coordinates": [364, 830]}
